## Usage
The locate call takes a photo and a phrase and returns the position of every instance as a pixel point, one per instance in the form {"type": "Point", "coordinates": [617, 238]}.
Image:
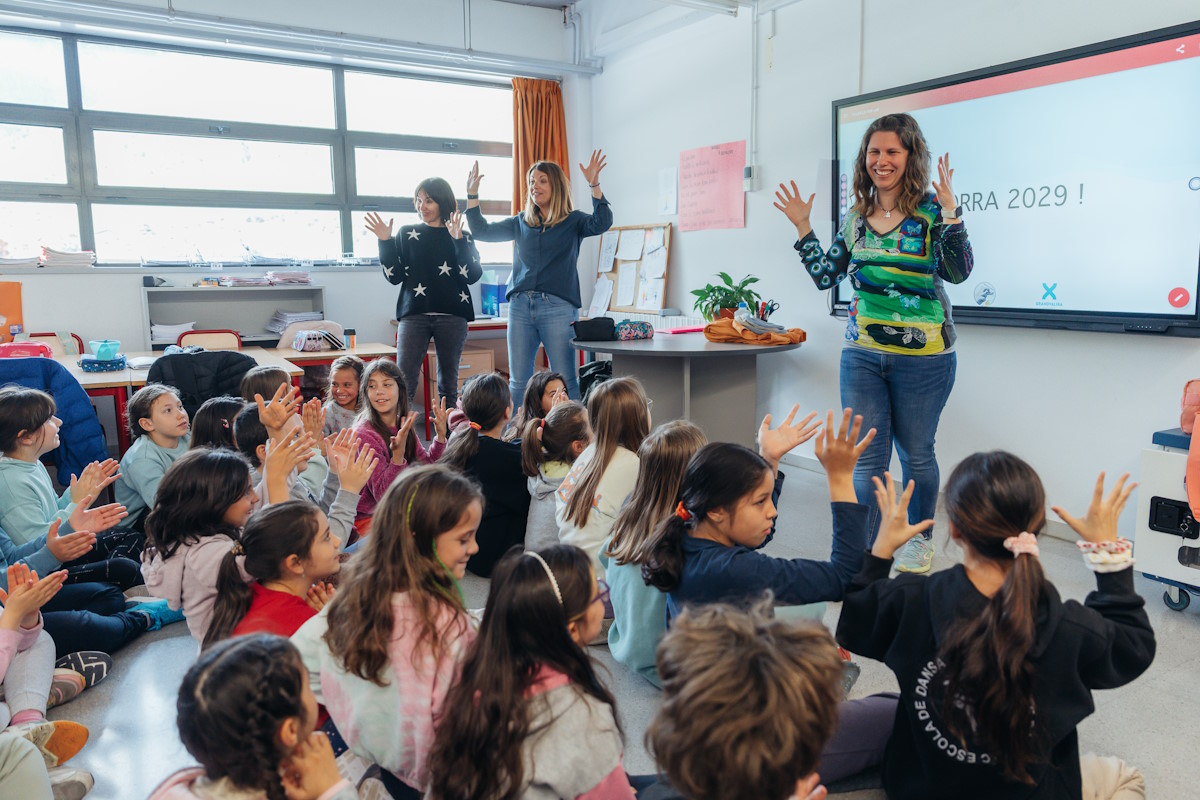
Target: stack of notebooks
{"type": "Point", "coordinates": [19, 263]}
{"type": "Point", "coordinates": [239, 280]}
{"type": "Point", "coordinates": [60, 258]}
{"type": "Point", "coordinates": [282, 319]}
{"type": "Point", "coordinates": [169, 333]}
{"type": "Point", "coordinates": [281, 277]}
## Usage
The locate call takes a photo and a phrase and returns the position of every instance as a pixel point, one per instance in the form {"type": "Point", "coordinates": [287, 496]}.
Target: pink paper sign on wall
{"type": "Point", "coordinates": [710, 187]}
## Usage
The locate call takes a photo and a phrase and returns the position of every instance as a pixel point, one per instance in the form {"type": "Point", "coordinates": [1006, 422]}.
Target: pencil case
{"type": "Point", "coordinates": [627, 330]}
{"type": "Point", "coordinates": [93, 364]}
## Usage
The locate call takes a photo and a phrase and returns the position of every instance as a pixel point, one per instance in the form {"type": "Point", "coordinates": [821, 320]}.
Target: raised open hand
{"type": "Point", "coordinates": [794, 207]}
{"type": "Point", "coordinates": [454, 225]}
{"type": "Point", "coordinates": [376, 225]}
{"type": "Point", "coordinates": [1100, 522]}
{"type": "Point", "coordinates": [441, 420]}
{"type": "Point", "coordinates": [894, 530]}
{"type": "Point", "coordinates": [839, 453]}
{"type": "Point", "coordinates": [354, 468]}
{"type": "Point", "coordinates": [592, 171]}
{"type": "Point", "coordinates": [275, 414]}
{"type": "Point", "coordinates": [473, 179]}
{"type": "Point", "coordinates": [941, 185]}
{"type": "Point", "coordinates": [775, 444]}
{"type": "Point", "coordinates": [401, 438]}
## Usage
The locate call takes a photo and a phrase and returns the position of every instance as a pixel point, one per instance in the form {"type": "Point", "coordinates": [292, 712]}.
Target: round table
{"type": "Point", "coordinates": [713, 384]}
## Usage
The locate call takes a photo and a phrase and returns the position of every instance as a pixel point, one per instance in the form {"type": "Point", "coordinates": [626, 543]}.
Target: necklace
{"type": "Point", "coordinates": [887, 212]}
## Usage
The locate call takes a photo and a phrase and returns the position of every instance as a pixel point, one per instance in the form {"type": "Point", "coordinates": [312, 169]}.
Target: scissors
{"type": "Point", "coordinates": [769, 308]}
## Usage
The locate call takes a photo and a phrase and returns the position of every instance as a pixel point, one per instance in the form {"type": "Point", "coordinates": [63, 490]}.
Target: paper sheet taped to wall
{"type": "Point", "coordinates": [710, 187]}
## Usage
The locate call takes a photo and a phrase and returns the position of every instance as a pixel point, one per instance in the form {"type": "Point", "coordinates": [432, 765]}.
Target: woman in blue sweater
{"type": "Point", "coordinates": [543, 292]}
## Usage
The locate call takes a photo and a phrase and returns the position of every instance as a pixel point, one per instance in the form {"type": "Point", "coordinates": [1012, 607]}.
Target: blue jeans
{"type": "Point", "coordinates": [902, 398]}
{"type": "Point", "coordinates": [538, 318]}
{"type": "Point", "coordinates": [449, 333]}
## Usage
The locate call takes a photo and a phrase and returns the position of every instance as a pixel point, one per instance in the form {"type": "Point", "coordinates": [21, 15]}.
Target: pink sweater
{"type": "Point", "coordinates": [386, 472]}
{"type": "Point", "coordinates": [15, 641]}
{"type": "Point", "coordinates": [391, 725]}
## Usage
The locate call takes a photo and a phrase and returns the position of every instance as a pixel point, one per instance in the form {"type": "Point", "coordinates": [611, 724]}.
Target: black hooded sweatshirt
{"type": "Point", "coordinates": [1102, 643]}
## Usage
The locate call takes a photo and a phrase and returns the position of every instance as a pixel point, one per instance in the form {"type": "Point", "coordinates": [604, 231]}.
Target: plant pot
{"type": "Point", "coordinates": [726, 313]}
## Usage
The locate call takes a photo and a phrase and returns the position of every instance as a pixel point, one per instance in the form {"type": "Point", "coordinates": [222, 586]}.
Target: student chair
{"type": "Point", "coordinates": [211, 339]}
{"type": "Point", "coordinates": [55, 344]}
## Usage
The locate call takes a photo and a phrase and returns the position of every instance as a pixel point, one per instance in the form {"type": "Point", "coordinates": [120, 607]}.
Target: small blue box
{"type": "Point", "coordinates": [491, 296]}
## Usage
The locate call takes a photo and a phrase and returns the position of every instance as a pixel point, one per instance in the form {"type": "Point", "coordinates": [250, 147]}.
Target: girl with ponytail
{"type": "Point", "coordinates": [478, 450]}
{"type": "Point", "coordinates": [385, 650]}
{"type": "Point", "coordinates": [246, 713]}
{"type": "Point", "coordinates": [707, 550]}
{"type": "Point", "coordinates": [549, 446]}
{"type": "Point", "coordinates": [289, 551]}
{"type": "Point", "coordinates": [995, 669]}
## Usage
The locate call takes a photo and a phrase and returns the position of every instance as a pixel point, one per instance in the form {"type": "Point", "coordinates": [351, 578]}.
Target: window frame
{"type": "Point", "coordinates": [79, 125]}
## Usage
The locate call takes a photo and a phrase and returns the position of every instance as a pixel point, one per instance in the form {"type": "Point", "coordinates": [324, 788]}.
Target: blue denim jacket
{"type": "Point", "coordinates": [544, 258]}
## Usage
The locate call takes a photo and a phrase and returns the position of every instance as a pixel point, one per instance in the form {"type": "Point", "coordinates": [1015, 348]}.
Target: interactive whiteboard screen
{"type": "Point", "coordinates": [1079, 178]}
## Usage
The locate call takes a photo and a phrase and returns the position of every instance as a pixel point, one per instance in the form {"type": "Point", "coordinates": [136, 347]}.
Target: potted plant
{"type": "Point", "coordinates": [721, 299]}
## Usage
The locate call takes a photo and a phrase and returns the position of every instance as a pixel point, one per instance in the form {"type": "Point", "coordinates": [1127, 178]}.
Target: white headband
{"type": "Point", "coordinates": [549, 574]}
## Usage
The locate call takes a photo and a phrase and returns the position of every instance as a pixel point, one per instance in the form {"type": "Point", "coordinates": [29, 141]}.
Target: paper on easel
{"type": "Point", "coordinates": [627, 282]}
{"type": "Point", "coordinates": [600, 297]}
{"type": "Point", "coordinates": [654, 263]}
{"type": "Point", "coordinates": [630, 248]}
{"type": "Point", "coordinates": [650, 294]}
{"type": "Point", "coordinates": [608, 251]}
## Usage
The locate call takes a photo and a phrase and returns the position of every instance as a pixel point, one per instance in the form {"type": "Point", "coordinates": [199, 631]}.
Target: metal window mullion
{"type": "Point", "coordinates": [343, 178]}
{"type": "Point", "coordinates": [80, 160]}
{"type": "Point", "coordinates": [210, 128]}
{"type": "Point", "coordinates": [429, 144]}
{"type": "Point", "coordinates": [208, 198]}
{"type": "Point", "coordinates": [50, 192]}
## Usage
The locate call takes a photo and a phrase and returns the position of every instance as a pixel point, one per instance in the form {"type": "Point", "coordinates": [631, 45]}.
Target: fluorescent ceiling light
{"type": "Point", "coordinates": [729, 7]}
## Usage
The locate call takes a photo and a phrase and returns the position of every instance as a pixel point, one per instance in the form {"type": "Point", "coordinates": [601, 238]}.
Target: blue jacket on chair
{"type": "Point", "coordinates": [81, 440]}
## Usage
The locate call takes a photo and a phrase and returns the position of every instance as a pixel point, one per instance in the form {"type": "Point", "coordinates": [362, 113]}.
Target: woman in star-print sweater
{"type": "Point", "coordinates": [434, 263]}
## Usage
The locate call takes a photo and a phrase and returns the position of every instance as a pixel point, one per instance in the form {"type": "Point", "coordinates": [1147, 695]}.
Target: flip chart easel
{"type": "Point", "coordinates": [649, 286]}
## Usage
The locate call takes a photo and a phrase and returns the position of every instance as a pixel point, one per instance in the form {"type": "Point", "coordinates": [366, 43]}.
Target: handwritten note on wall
{"type": "Point", "coordinates": [710, 187]}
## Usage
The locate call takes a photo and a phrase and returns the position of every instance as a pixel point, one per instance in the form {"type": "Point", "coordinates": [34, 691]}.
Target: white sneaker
{"type": "Point", "coordinates": [916, 556]}
{"type": "Point", "coordinates": [68, 783]}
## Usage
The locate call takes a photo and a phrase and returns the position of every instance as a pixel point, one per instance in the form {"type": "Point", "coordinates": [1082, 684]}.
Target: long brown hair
{"type": "Point", "coordinates": [662, 461]}
{"type": "Point", "coordinates": [400, 555]}
{"type": "Point", "coordinates": [476, 753]}
{"type": "Point", "coordinates": [914, 185]}
{"type": "Point", "coordinates": [367, 414]}
{"type": "Point", "coordinates": [22, 410]}
{"type": "Point", "coordinates": [141, 405]}
{"type": "Point", "coordinates": [620, 417]}
{"type": "Point", "coordinates": [989, 677]}
{"type": "Point", "coordinates": [485, 400]}
{"type": "Point", "coordinates": [560, 205]}
{"type": "Point", "coordinates": [270, 537]}
{"type": "Point", "coordinates": [553, 438]}
{"type": "Point", "coordinates": [192, 498]}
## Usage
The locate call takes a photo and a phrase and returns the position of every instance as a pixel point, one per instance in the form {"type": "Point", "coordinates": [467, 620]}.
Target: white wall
{"type": "Point", "coordinates": [1070, 403]}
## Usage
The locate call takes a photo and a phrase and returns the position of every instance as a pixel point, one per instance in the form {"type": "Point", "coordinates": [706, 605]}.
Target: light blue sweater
{"type": "Point", "coordinates": [640, 617]}
{"type": "Point", "coordinates": [28, 504]}
{"type": "Point", "coordinates": [142, 467]}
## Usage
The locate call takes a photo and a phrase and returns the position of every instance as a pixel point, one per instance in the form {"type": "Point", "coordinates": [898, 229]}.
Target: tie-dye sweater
{"type": "Point", "coordinates": [899, 305]}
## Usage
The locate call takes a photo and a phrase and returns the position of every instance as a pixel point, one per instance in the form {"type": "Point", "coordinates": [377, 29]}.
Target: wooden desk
{"type": "Point", "coordinates": [314, 358]}
{"type": "Point", "coordinates": [264, 358]}
{"type": "Point", "coordinates": [113, 384]}
{"type": "Point", "coordinates": [712, 384]}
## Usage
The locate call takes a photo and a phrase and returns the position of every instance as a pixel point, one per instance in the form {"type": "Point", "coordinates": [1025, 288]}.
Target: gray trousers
{"type": "Point", "coordinates": [449, 333]}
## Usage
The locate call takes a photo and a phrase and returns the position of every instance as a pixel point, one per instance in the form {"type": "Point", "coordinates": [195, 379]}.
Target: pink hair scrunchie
{"type": "Point", "coordinates": [1024, 543]}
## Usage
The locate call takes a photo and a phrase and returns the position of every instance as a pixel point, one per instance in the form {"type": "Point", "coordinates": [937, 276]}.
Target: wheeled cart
{"type": "Point", "coordinates": [1167, 542]}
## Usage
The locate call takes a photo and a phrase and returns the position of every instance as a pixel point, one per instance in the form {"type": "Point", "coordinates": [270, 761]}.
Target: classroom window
{"type": "Point", "coordinates": [199, 162]}
{"type": "Point", "coordinates": [396, 173]}
{"type": "Point", "coordinates": [25, 227]}
{"type": "Point", "coordinates": [390, 104]}
{"type": "Point", "coordinates": [31, 70]}
{"type": "Point", "coordinates": [367, 244]}
{"type": "Point", "coordinates": [32, 154]}
{"type": "Point", "coordinates": [132, 233]}
{"type": "Point", "coordinates": [140, 80]}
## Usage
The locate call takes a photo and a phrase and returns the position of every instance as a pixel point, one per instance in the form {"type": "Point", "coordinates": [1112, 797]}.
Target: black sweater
{"type": "Point", "coordinates": [1101, 644]}
{"type": "Point", "coordinates": [497, 467]}
{"type": "Point", "coordinates": [434, 268]}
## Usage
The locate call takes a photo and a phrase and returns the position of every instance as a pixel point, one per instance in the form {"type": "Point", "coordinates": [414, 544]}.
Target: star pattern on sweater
{"type": "Point", "coordinates": [414, 234]}
{"type": "Point", "coordinates": [388, 271]}
{"type": "Point", "coordinates": [466, 298]}
{"type": "Point", "coordinates": [462, 270]}
{"type": "Point", "coordinates": [419, 289]}
{"type": "Point", "coordinates": [444, 268]}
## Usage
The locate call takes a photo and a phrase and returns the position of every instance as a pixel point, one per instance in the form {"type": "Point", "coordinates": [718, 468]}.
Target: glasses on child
{"type": "Point", "coordinates": [602, 592]}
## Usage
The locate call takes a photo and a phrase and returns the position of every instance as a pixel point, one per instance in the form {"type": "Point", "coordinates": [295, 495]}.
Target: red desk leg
{"type": "Point", "coordinates": [120, 396]}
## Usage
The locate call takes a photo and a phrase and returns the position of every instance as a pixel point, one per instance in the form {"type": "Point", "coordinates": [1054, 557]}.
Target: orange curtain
{"type": "Point", "coordinates": [539, 131]}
